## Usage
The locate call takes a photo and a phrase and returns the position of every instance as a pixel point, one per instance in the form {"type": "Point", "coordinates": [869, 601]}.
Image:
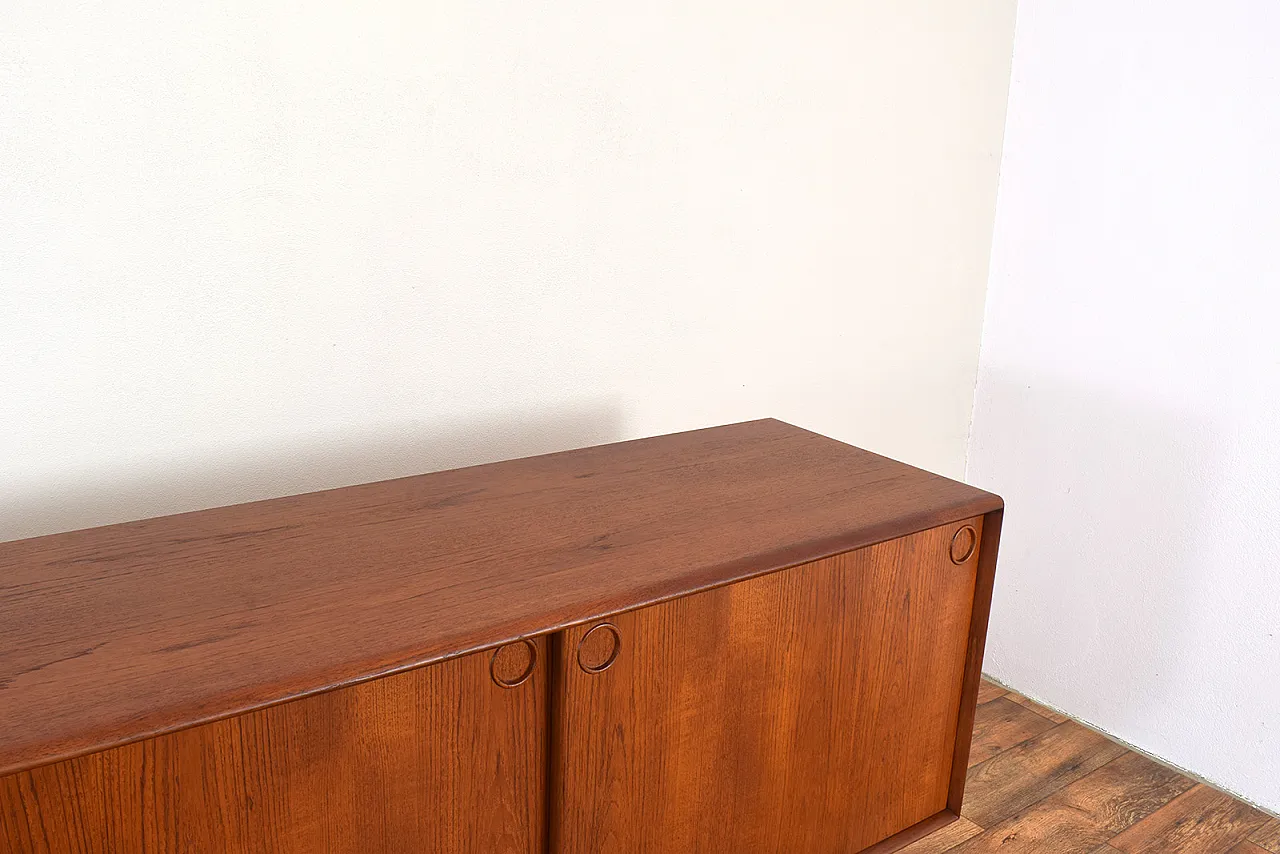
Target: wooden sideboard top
{"type": "Point", "coordinates": [113, 634]}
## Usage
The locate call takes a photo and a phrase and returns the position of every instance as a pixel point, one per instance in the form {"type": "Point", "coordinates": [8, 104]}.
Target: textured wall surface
{"type": "Point", "coordinates": [1128, 402]}
{"type": "Point", "coordinates": [257, 248]}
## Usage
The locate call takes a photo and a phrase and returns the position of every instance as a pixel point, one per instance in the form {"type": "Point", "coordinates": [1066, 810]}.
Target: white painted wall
{"type": "Point", "coordinates": [1128, 403]}
{"type": "Point", "coordinates": [253, 248]}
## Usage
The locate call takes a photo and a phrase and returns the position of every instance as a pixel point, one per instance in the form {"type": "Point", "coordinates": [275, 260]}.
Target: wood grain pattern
{"type": "Point", "coordinates": [989, 691]}
{"type": "Point", "coordinates": [115, 634]}
{"type": "Point", "coordinates": [999, 725]}
{"type": "Point", "coordinates": [910, 835]}
{"type": "Point", "coordinates": [437, 759]}
{"type": "Point", "coordinates": [1043, 711]}
{"type": "Point", "coordinates": [1123, 792]}
{"type": "Point", "coordinates": [945, 839]}
{"type": "Point", "coordinates": [1202, 820]}
{"type": "Point", "coordinates": [811, 710]}
{"type": "Point", "coordinates": [1014, 780]}
{"type": "Point", "coordinates": [1247, 848]}
{"type": "Point", "coordinates": [1085, 814]}
{"type": "Point", "coordinates": [1129, 801]}
{"type": "Point", "coordinates": [984, 585]}
{"type": "Point", "coordinates": [1268, 836]}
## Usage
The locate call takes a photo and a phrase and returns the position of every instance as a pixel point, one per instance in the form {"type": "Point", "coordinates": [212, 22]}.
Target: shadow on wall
{"type": "Point", "coordinates": [1100, 553]}
{"type": "Point", "coordinates": [214, 477]}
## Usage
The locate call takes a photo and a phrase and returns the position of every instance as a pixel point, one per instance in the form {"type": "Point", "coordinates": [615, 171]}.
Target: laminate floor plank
{"type": "Point", "coordinates": [1025, 774]}
{"type": "Point", "coordinates": [1267, 837]}
{"type": "Point", "coordinates": [988, 691]}
{"type": "Point", "coordinates": [1201, 821]}
{"type": "Point", "coordinates": [999, 725]}
{"type": "Point", "coordinates": [1078, 818]}
{"type": "Point", "coordinates": [945, 839]}
{"type": "Point", "coordinates": [1069, 790]}
{"type": "Point", "coordinates": [1043, 711]}
{"type": "Point", "coordinates": [1247, 848]}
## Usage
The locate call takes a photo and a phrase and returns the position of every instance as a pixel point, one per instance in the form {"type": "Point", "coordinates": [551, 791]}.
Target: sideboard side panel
{"type": "Point", "coordinates": [438, 759]}
{"type": "Point", "coordinates": [984, 588]}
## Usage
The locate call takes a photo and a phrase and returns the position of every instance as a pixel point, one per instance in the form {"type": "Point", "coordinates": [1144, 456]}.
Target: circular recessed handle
{"type": "Point", "coordinates": [513, 663]}
{"type": "Point", "coordinates": [599, 648]}
{"type": "Point", "coordinates": [963, 543]}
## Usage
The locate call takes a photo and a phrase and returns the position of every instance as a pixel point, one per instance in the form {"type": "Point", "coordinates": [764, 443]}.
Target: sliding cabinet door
{"type": "Point", "coordinates": [815, 709]}
{"type": "Point", "coordinates": [446, 758]}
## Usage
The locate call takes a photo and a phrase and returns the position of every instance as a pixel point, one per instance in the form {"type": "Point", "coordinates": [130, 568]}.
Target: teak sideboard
{"type": "Point", "coordinates": [750, 638]}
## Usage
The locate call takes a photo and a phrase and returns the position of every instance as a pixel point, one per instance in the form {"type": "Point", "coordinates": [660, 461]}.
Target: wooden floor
{"type": "Point", "coordinates": [1041, 783]}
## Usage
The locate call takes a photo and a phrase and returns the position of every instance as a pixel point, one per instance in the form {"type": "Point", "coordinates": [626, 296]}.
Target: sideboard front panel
{"type": "Point", "coordinates": [814, 709]}
{"type": "Point", "coordinates": [438, 759]}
